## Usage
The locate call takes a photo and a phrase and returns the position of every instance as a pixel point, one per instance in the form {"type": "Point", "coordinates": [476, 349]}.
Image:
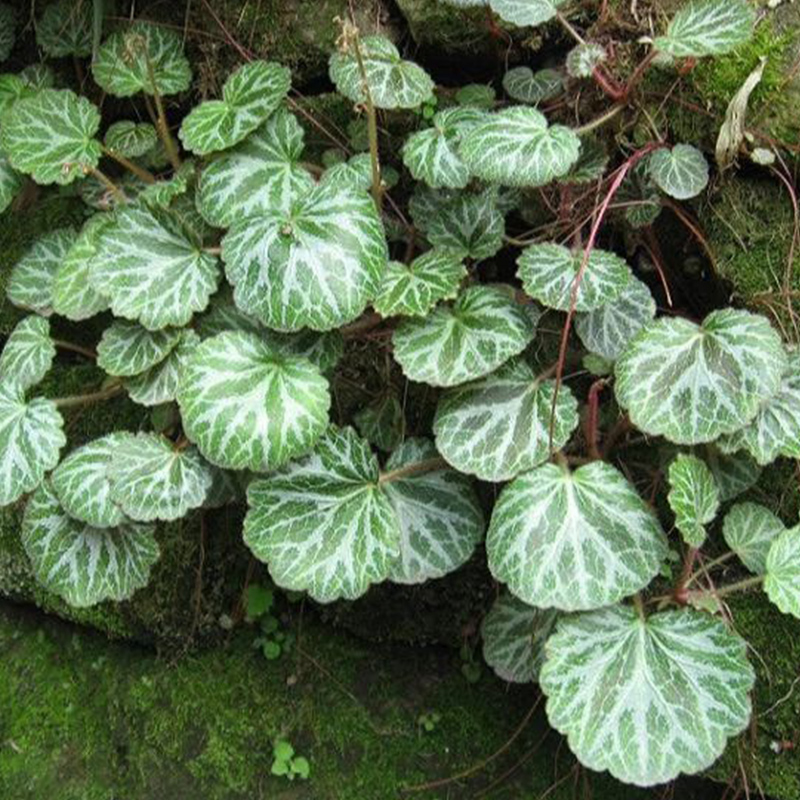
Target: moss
{"type": "Point", "coordinates": [447, 28]}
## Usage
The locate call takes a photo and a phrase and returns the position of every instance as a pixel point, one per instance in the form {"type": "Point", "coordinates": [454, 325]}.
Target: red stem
{"type": "Point", "coordinates": [592, 418]}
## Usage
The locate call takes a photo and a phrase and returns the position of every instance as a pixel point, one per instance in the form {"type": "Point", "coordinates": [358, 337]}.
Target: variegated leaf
{"type": "Point", "coordinates": [12, 88]}
{"type": "Point", "coordinates": [526, 12]}
{"type": "Point", "coordinates": [734, 473]}
{"type": "Point", "coordinates": [516, 147]}
{"type": "Point", "coordinates": [159, 384]}
{"type": "Point", "coordinates": [131, 139]}
{"type": "Point", "coordinates": [85, 565]}
{"type": "Point", "coordinates": [549, 272]}
{"type": "Point", "coordinates": [81, 482]}
{"type": "Point", "coordinates": [28, 353]}
{"type": "Point", "coordinates": [514, 636]}
{"type": "Point", "coordinates": [782, 573]}
{"type": "Point", "coordinates": [692, 383]}
{"type": "Point", "coordinates": [38, 76]}
{"type": "Point", "coordinates": [161, 193]}
{"type": "Point", "coordinates": [65, 29]}
{"type": "Point", "coordinates": [708, 28]}
{"type": "Point", "coordinates": [693, 497]}
{"type": "Point", "coordinates": [584, 58]}
{"type": "Point", "coordinates": [499, 426]}
{"type": "Point", "coordinates": [382, 423]}
{"type": "Point", "coordinates": [261, 174]}
{"type": "Point", "coordinates": [249, 96]}
{"type": "Point", "coordinates": [392, 82]}
{"type": "Point", "coordinates": [323, 524]}
{"type": "Point", "coordinates": [681, 172]}
{"type": "Point", "coordinates": [749, 530]}
{"type": "Point", "coordinates": [355, 173]}
{"type": "Point", "coordinates": [526, 86]}
{"type": "Point", "coordinates": [412, 290]}
{"type": "Point", "coordinates": [431, 155]}
{"type": "Point", "coordinates": [646, 698]}
{"type": "Point", "coordinates": [574, 540]}
{"type": "Point", "coordinates": [127, 348]}
{"type": "Point", "coordinates": [246, 405]}
{"type": "Point", "coordinates": [591, 164]}
{"type": "Point", "coordinates": [464, 341]}
{"type": "Point", "coordinates": [30, 284]}
{"type": "Point", "coordinates": [608, 329]}
{"type": "Point", "coordinates": [150, 263]}
{"type": "Point", "coordinates": [316, 265]}
{"type": "Point", "coordinates": [142, 57]}
{"type": "Point", "coordinates": [11, 182]}
{"type": "Point", "coordinates": [153, 479]}
{"type": "Point", "coordinates": [31, 438]}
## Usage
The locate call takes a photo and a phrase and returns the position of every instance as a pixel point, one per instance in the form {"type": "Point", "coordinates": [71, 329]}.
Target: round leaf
{"type": "Point", "coordinates": [693, 497]}
{"type": "Point", "coordinates": [126, 348]}
{"type": "Point", "coordinates": [708, 28]}
{"type": "Point", "coordinates": [526, 86]}
{"type": "Point", "coordinates": [734, 473]}
{"type": "Point", "coordinates": [159, 384]}
{"type": "Point", "coordinates": [583, 59]}
{"type": "Point", "coordinates": [782, 573]}
{"type": "Point", "coordinates": [526, 12]}
{"type": "Point", "coordinates": [10, 182]}
{"type": "Point", "coordinates": [749, 530]}
{"type": "Point", "coordinates": [28, 353]}
{"type": "Point", "coordinates": [131, 139]}
{"type": "Point", "coordinates": [681, 172]}
{"type": "Point", "coordinates": [65, 29]}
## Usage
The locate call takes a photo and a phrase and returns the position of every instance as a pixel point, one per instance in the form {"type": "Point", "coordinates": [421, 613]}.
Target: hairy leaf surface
{"type": "Point", "coordinates": [693, 497]}
{"type": "Point", "coordinates": [526, 12]}
{"type": "Point", "coordinates": [749, 530]}
{"type": "Point", "coordinates": [126, 348]}
{"type": "Point", "coordinates": [159, 384]}
{"type": "Point", "coordinates": [28, 353]}
{"type": "Point", "coordinates": [782, 572]}
{"type": "Point", "coordinates": [526, 86]}
{"type": "Point", "coordinates": [681, 172]}
{"type": "Point", "coordinates": [65, 29]}
{"type": "Point", "coordinates": [130, 139]}
{"type": "Point", "coordinates": [708, 28]}
{"type": "Point", "coordinates": [11, 182]}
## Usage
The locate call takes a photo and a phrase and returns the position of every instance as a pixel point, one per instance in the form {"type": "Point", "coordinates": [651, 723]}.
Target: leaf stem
{"type": "Point", "coordinates": [739, 586]}
{"type": "Point", "coordinates": [109, 184]}
{"type": "Point", "coordinates": [75, 348]}
{"type": "Point", "coordinates": [139, 172]}
{"type": "Point", "coordinates": [567, 26]}
{"type": "Point", "coordinates": [161, 118]}
{"type": "Point", "coordinates": [592, 417]}
{"type": "Point", "coordinates": [86, 399]}
{"type": "Point", "coordinates": [709, 566]}
{"type": "Point", "coordinates": [601, 120]}
{"type": "Point", "coordinates": [417, 468]}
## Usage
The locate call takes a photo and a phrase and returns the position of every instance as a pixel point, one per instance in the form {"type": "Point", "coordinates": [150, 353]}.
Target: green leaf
{"type": "Point", "coordinates": [65, 29]}
{"type": "Point", "coordinates": [85, 565]}
{"type": "Point", "coordinates": [73, 294]}
{"type": "Point", "coordinates": [681, 172]}
{"type": "Point", "coordinates": [412, 290]}
{"type": "Point", "coordinates": [249, 96]}
{"type": "Point", "coordinates": [161, 193]}
{"type": "Point", "coordinates": [477, 95]}
{"type": "Point", "coordinates": [28, 353]}
{"type": "Point", "coordinates": [10, 182]}
{"type": "Point", "coordinates": [355, 173]}
{"type": "Point", "coordinates": [127, 348]}
{"type": "Point", "coordinates": [514, 636]}
{"type": "Point", "coordinates": [50, 136]}
{"type": "Point", "coordinates": [392, 82]}
{"type": "Point", "coordinates": [438, 513]}
{"type": "Point", "coordinates": [782, 574]}
{"type": "Point", "coordinates": [526, 12]}
{"type": "Point", "coordinates": [498, 426]}
{"type": "Point", "coordinates": [142, 58]}
{"type": "Point", "coordinates": [692, 383]}
{"type": "Point", "coordinates": [82, 484]}
{"type": "Point", "coordinates": [516, 147]}
{"type": "Point", "coordinates": [323, 524]}
{"type": "Point", "coordinates": [775, 430]}
{"type": "Point", "coordinates": [131, 139]}
{"type": "Point", "coordinates": [31, 438]}
{"type": "Point", "coordinates": [151, 265]}
{"type": "Point", "coordinates": [584, 58]}
{"type": "Point", "coordinates": [548, 273]}
{"type": "Point", "coordinates": [301, 767]}
{"type": "Point", "coordinates": [38, 76]}
{"type": "Point", "coordinates": [8, 22]}
{"type": "Point", "coordinates": [749, 530]}
{"type": "Point", "coordinates": [431, 155]}
{"type": "Point", "coordinates": [708, 28]}
{"type": "Point", "coordinates": [30, 284]}
{"type": "Point", "coordinates": [608, 330]}
{"type": "Point", "coordinates": [152, 479]}
{"type": "Point", "coordinates": [246, 405]}
{"type": "Point", "coordinates": [467, 340]}
{"type": "Point", "coordinates": [315, 266]}
{"type": "Point", "coordinates": [526, 86]}
{"type": "Point", "coordinates": [646, 699]}
{"type": "Point", "coordinates": [12, 88]}
{"type": "Point", "coordinates": [591, 164]}
{"type": "Point", "coordinates": [159, 384]}
{"type": "Point", "coordinates": [382, 423]}
{"type": "Point", "coordinates": [573, 540]}
{"type": "Point", "coordinates": [693, 497]}
{"type": "Point", "coordinates": [261, 174]}
{"type": "Point", "coordinates": [734, 473]}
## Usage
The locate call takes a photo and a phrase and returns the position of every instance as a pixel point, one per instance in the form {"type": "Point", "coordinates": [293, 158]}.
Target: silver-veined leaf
{"type": "Point", "coordinates": [514, 635]}
{"type": "Point", "coordinates": [159, 384]}
{"type": "Point", "coordinates": [526, 12]}
{"type": "Point", "coordinates": [692, 383]}
{"type": "Point", "coordinates": [499, 426]}
{"type": "Point", "coordinates": [573, 540]}
{"type": "Point", "coordinates": [30, 284]}
{"type": "Point", "coordinates": [476, 95]}
{"type": "Point", "coordinates": [50, 136]}
{"type": "Point", "coordinates": [134, 59]}
{"type": "Point", "coordinates": [12, 88]}
{"type": "Point", "coordinates": [681, 172]}
{"type": "Point", "coordinates": [28, 353]}
{"type": "Point", "coordinates": [517, 147]}
{"type": "Point", "coordinates": [323, 524]}
{"type": "Point", "coordinates": [431, 155]}
{"type": "Point", "coordinates": [749, 530]}
{"type": "Point", "coordinates": [782, 571]}
{"type": "Point", "coordinates": [31, 438]}
{"type": "Point", "coordinates": [412, 290]}
{"type": "Point", "coordinates": [150, 263]}
{"type": "Point", "coordinates": [247, 405]}
{"type": "Point", "coordinates": [82, 564]}
{"type": "Point", "coordinates": [11, 182]}
{"type": "Point", "coordinates": [81, 482]}
{"type": "Point", "coordinates": [315, 265]}
{"type": "Point", "coordinates": [153, 479]}
{"type": "Point", "coordinates": [526, 86]}
{"type": "Point", "coordinates": [130, 139]}
{"type": "Point", "coordinates": [646, 698]}
{"type": "Point", "coordinates": [734, 473]}
{"type": "Point", "coordinates": [65, 29]}
{"type": "Point", "coordinates": [382, 423]}
{"type": "Point", "coordinates": [38, 76]}
{"type": "Point", "coordinates": [584, 58]}
{"type": "Point", "coordinates": [438, 513]}
{"type": "Point", "coordinates": [608, 329]}
{"type": "Point", "coordinates": [463, 341]}
{"type": "Point", "coordinates": [126, 348]}
{"type": "Point", "coordinates": [260, 174]}
{"type": "Point", "coordinates": [392, 81]}
{"type": "Point", "coordinates": [591, 163]}
{"type": "Point", "coordinates": [249, 96]}
{"type": "Point", "coordinates": [161, 193]}
{"type": "Point", "coordinates": [8, 23]}
{"type": "Point", "coordinates": [548, 273]}
{"type": "Point", "coordinates": [693, 497]}
{"type": "Point", "coordinates": [708, 28]}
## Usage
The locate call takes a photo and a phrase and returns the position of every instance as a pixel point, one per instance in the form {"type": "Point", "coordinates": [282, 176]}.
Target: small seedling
{"type": "Point", "coordinates": [285, 763]}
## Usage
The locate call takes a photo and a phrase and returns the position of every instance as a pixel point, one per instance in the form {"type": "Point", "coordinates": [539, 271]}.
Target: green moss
{"type": "Point", "coordinates": [447, 28]}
